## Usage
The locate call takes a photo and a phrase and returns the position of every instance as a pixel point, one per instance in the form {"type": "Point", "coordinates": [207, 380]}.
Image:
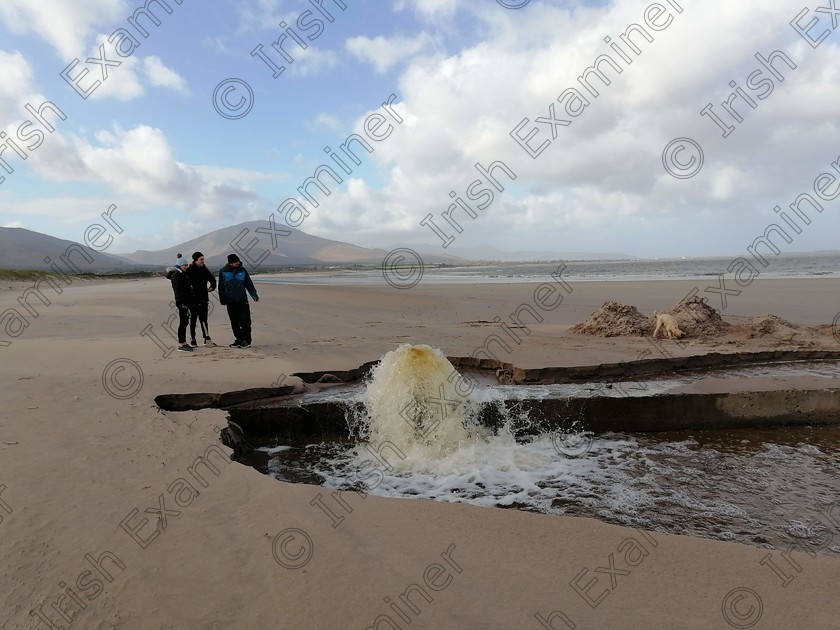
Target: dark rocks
{"type": "Point", "coordinates": [187, 402]}
{"type": "Point", "coordinates": [233, 437]}
{"type": "Point", "coordinates": [228, 399]}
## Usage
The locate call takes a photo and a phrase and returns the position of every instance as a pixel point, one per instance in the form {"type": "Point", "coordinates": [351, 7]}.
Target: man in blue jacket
{"type": "Point", "coordinates": [234, 281]}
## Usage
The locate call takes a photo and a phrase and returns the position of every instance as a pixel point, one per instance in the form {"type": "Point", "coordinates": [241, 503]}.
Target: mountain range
{"type": "Point", "coordinates": [24, 249]}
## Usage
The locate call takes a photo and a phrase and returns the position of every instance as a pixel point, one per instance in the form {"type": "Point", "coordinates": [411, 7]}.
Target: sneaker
{"type": "Point", "coordinates": [235, 344]}
{"type": "Point", "coordinates": [208, 342]}
{"type": "Point", "coordinates": [244, 344]}
{"type": "Point", "coordinates": [193, 343]}
{"type": "Point", "coordinates": [185, 349]}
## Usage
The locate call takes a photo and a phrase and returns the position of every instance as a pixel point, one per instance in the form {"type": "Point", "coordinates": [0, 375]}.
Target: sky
{"type": "Point", "coordinates": [197, 122]}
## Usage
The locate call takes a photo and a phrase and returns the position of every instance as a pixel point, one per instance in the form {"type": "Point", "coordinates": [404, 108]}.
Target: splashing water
{"type": "Point", "coordinates": [417, 401]}
{"type": "Point", "coordinates": [418, 436]}
{"type": "Point", "coordinates": [424, 413]}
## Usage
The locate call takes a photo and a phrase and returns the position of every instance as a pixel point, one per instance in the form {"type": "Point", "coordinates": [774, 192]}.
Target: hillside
{"type": "Point", "coordinates": [297, 248]}
{"type": "Point", "coordinates": [24, 249]}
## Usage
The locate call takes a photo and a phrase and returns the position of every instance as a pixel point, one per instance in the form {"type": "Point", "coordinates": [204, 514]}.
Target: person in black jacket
{"type": "Point", "coordinates": [198, 275]}
{"type": "Point", "coordinates": [181, 288]}
{"type": "Point", "coordinates": [234, 281]}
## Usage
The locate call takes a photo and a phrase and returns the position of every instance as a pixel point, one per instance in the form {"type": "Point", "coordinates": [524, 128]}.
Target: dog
{"type": "Point", "coordinates": [669, 324]}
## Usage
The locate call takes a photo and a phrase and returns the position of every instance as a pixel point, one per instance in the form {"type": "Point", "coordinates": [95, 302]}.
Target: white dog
{"type": "Point", "coordinates": [669, 324]}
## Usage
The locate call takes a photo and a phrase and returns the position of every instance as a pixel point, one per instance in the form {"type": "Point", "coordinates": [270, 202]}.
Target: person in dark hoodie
{"type": "Point", "coordinates": [198, 275]}
{"type": "Point", "coordinates": [234, 281]}
{"type": "Point", "coordinates": [181, 288]}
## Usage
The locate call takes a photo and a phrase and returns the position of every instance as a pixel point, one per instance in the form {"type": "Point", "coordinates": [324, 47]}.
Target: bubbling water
{"type": "Point", "coordinates": [417, 401]}
{"type": "Point", "coordinates": [423, 413]}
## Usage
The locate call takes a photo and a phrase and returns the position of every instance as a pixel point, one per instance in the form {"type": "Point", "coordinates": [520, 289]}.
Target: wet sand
{"type": "Point", "coordinates": [83, 450]}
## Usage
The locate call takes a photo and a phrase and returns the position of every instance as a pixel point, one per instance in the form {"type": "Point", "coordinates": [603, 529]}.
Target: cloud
{"type": "Point", "coordinates": [64, 25]}
{"type": "Point", "coordinates": [161, 76]}
{"type": "Point", "coordinates": [259, 15]}
{"type": "Point", "coordinates": [328, 121]}
{"type": "Point", "coordinates": [312, 61]}
{"type": "Point", "coordinates": [601, 178]}
{"type": "Point", "coordinates": [139, 164]}
{"type": "Point", "coordinates": [16, 86]}
{"type": "Point", "coordinates": [383, 53]}
{"type": "Point", "coordinates": [431, 8]}
{"type": "Point", "coordinates": [128, 80]}
{"type": "Point", "coordinates": [13, 224]}
{"type": "Point", "coordinates": [123, 83]}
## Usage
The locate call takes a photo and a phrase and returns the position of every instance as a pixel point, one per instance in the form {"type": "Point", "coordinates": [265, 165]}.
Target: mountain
{"type": "Point", "coordinates": [25, 249]}
{"type": "Point", "coordinates": [296, 248]}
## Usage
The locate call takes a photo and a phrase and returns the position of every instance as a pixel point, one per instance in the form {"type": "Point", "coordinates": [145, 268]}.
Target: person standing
{"type": "Point", "coordinates": [198, 276]}
{"type": "Point", "coordinates": [181, 288]}
{"type": "Point", "coordinates": [234, 286]}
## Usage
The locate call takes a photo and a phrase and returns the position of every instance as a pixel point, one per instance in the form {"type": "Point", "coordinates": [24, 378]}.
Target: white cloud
{"type": "Point", "coordinates": [185, 231]}
{"type": "Point", "coordinates": [139, 164]}
{"type": "Point", "coordinates": [312, 61]}
{"type": "Point", "coordinates": [258, 15]}
{"type": "Point", "coordinates": [16, 86]}
{"type": "Point", "coordinates": [17, 89]}
{"type": "Point", "coordinates": [601, 180]}
{"type": "Point", "coordinates": [328, 121]}
{"type": "Point", "coordinates": [432, 8]}
{"type": "Point", "coordinates": [128, 80]}
{"type": "Point", "coordinates": [123, 82]}
{"type": "Point", "coordinates": [161, 76]}
{"type": "Point", "coordinates": [65, 25]}
{"type": "Point", "coordinates": [384, 52]}
{"type": "Point", "coordinates": [13, 224]}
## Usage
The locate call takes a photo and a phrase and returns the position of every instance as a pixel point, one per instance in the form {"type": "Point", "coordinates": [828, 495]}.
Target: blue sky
{"type": "Point", "coordinates": [464, 74]}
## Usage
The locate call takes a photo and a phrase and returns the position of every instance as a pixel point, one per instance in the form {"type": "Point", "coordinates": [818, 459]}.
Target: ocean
{"type": "Point", "coordinates": [786, 266]}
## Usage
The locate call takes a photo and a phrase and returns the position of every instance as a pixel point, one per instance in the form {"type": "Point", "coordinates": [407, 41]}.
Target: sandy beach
{"type": "Point", "coordinates": [105, 521]}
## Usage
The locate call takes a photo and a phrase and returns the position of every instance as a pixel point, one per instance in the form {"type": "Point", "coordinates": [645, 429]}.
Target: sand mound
{"type": "Point", "coordinates": [768, 326]}
{"type": "Point", "coordinates": [697, 319]}
{"type": "Point", "coordinates": [614, 319]}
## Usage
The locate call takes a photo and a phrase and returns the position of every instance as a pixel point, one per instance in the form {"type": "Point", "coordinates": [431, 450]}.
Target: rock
{"type": "Point", "coordinates": [186, 402]}
{"type": "Point", "coordinates": [228, 399]}
{"type": "Point", "coordinates": [233, 437]}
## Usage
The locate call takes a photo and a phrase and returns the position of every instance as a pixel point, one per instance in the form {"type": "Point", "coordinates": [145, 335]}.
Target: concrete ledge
{"type": "Point", "coordinates": [285, 413]}
{"type": "Point", "coordinates": [599, 414]}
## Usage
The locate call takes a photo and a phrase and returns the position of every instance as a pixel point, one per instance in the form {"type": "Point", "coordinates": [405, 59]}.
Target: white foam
{"type": "Point", "coordinates": [274, 449]}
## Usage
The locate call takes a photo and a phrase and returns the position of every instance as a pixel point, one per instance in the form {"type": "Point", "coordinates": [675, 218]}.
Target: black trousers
{"type": "Point", "coordinates": [240, 320]}
{"type": "Point", "coordinates": [184, 319]}
{"type": "Point", "coordinates": [198, 313]}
